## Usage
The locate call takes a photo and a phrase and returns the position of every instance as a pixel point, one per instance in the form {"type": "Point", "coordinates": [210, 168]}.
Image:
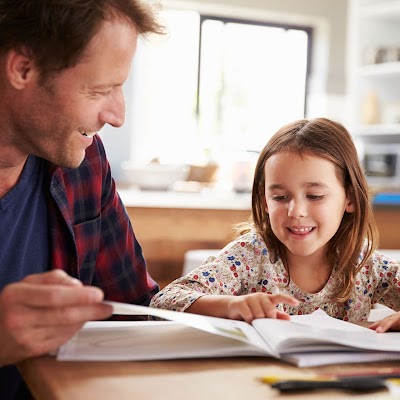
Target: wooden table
{"type": "Point", "coordinates": [225, 378]}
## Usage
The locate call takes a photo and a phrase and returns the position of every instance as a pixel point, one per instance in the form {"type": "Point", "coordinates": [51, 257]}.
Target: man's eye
{"type": "Point", "coordinates": [97, 93]}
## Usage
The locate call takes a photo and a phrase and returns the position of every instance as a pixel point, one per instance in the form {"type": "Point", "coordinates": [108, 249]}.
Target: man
{"type": "Point", "coordinates": [65, 238]}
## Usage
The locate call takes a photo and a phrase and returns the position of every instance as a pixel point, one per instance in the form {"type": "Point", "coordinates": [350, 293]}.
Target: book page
{"type": "Point", "coordinates": [320, 318]}
{"type": "Point", "coordinates": [314, 359]}
{"type": "Point", "coordinates": [320, 333]}
{"type": "Point", "coordinates": [148, 340]}
{"type": "Point", "coordinates": [238, 330]}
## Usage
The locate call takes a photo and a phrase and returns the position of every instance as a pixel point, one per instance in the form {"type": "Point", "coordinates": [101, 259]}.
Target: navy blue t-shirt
{"type": "Point", "coordinates": [24, 246]}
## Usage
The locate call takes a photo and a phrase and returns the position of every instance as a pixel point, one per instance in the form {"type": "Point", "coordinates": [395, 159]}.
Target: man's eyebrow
{"type": "Point", "coordinates": [106, 85]}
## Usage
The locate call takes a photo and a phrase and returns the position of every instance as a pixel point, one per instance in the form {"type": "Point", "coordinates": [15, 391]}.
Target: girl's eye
{"type": "Point", "coordinates": [315, 197]}
{"type": "Point", "coordinates": [279, 198]}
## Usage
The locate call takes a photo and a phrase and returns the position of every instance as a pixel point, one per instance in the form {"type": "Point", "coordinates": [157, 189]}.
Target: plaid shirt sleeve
{"type": "Point", "coordinates": [91, 235]}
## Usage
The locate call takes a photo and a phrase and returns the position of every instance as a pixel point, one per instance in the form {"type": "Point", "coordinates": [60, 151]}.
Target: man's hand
{"type": "Point", "coordinates": [43, 311]}
{"type": "Point", "coordinates": [392, 322]}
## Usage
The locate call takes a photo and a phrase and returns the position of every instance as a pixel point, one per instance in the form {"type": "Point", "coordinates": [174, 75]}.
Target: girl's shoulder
{"type": "Point", "coordinates": [250, 241]}
{"type": "Point", "coordinates": [251, 237]}
{"type": "Point", "coordinates": [379, 260]}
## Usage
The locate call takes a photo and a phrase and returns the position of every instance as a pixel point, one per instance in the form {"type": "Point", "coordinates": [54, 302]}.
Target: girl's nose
{"type": "Point", "coordinates": [297, 209]}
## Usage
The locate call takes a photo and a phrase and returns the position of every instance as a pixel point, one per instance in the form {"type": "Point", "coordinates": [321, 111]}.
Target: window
{"type": "Point", "coordinates": [214, 86]}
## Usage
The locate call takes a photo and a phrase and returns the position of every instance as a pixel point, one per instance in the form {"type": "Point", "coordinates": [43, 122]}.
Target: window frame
{"type": "Point", "coordinates": [308, 29]}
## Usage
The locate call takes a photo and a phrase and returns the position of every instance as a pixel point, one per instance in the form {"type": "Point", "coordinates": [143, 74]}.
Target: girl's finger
{"type": "Point", "coordinates": [260, 309]}
{"type": "Point", "coordinates": [283, 298]}
{"type": "Point", "coordinates": [282, 315]}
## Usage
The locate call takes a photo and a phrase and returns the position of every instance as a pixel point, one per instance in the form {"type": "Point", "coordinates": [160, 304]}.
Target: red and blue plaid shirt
{"type": "Point", "coordinates": [91, 235]}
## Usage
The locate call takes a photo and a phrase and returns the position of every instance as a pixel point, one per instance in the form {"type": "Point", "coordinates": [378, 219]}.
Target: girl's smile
{"type": "Point", "coordinates": [300, 233]}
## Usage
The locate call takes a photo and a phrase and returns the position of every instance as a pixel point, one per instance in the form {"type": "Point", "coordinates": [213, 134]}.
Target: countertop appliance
{"type": "Point", "coordinates": [382, 165]}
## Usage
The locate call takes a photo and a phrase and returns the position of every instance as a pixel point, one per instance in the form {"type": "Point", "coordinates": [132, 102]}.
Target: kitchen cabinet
{"type": "Point", "coordinates": [374, 69]}
{"type": "Point", "coordinates": [166, 234]}
{"type": "Point", "coordinates": [388, 222]}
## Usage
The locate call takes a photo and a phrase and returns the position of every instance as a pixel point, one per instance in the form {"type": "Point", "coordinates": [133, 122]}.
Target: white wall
{"type": "Point", "coordinates": [327, 96]}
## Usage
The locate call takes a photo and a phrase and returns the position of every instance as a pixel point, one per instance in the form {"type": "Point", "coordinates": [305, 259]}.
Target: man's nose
{"type": "Point", "coordinates": [114, 113]}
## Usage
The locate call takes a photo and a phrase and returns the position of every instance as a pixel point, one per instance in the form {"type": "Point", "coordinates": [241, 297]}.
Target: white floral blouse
{"type": "Point", "coordinates": [244, 267]}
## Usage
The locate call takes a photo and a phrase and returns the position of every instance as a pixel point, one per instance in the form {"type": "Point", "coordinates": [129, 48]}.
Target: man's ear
{"type": "Point", "coordinates": [19, 68]}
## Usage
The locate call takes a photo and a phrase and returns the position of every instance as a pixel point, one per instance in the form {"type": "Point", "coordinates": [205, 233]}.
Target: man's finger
{"type": "Point", "coordinates": [56, 276]}
{"type": "Point", "coordinates": [38, 341]}
{"type": "Point", "coordinates": [70, 315]}
{"type": "Point", "coordinates": [35, 295]}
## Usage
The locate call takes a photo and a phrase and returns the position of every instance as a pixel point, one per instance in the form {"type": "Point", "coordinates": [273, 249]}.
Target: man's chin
{"type": "Point", "coordinates": [71, 163]}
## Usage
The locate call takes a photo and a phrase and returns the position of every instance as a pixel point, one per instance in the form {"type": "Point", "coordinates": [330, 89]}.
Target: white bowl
{"type": "Point", "coordinates": [154, 176]}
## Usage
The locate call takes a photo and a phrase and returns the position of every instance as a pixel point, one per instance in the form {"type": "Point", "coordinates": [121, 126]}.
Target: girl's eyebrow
{"type": "Point", "coordinates": [315, 184]}
{"type": "Point", "coordinates": [275, 186]}
{"type": "Point", "coordinates": [321, 185]}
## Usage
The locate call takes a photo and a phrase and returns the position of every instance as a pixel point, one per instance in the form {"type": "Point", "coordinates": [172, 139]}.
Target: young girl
{"type": "Point", "coordinates": [311, 243]}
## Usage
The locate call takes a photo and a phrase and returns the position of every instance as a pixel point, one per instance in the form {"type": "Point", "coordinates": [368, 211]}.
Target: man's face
{"type": "Point", "coordinates": [56, 120]}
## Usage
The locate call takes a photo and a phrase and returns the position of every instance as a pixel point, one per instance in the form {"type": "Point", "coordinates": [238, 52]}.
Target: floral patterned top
{"type": "Point", "coordinates": [244, 267]}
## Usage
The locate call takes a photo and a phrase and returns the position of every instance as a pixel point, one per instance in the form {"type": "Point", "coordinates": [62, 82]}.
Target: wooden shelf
{"type": "Point", "coordinates": [381, 9]}
{"type": "Point", "coordinates": [381, 70]}
{"type": "Point", "coordinates": [379, 129]}
{"type": "Point", "coordinates": [374, 33]}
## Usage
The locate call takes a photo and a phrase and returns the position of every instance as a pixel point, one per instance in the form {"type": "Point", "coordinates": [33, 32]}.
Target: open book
{"type": "Point", "coordinates": [305, 340]}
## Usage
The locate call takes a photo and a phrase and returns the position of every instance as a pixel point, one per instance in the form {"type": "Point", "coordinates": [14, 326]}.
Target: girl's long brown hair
{"type": "Point", "coordinates": [327, 139]}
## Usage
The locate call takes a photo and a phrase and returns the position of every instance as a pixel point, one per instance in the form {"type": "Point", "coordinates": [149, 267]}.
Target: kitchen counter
{"type": "Point", "coordinates": [391, 199]}
{"type": "Point", "coordinates": [168, 224]}
{"type": "Point", "coordinates": [206, 199]}
{"type": "Point", "coordinates": [213, 199]}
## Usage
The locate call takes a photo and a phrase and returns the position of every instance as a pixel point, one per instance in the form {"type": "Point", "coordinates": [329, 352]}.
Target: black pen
{"type": "Point", "coordinates": [354, 385]}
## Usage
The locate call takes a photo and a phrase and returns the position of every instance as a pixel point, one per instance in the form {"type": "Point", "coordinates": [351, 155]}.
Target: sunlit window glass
{"type": "Point", "coordinates": [214, 85]}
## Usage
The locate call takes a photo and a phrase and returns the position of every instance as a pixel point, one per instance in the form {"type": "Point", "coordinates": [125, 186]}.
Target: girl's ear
{"type": "Point", "coordinates": [350, 206]}
{"type": "Point", "coordinates": [349, 202]}
{"type": "Point", "coordinates": [265, 204]}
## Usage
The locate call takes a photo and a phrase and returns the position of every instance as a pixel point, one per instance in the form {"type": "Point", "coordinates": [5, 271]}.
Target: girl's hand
{"type": "Point", "coordinates": [392, 322]}
{"type": "Point", "coordinates": [258, 305]}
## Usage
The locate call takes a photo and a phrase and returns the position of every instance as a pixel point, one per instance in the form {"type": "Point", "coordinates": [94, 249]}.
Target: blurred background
{"type": "Point", "coordinates": [203, 100]}
{"type": "Point", "coordinates": [225, 77]}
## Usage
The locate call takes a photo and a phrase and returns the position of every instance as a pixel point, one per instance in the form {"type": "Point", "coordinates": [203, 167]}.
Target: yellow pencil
{"type": "Point", "coordinates": [270, 379]}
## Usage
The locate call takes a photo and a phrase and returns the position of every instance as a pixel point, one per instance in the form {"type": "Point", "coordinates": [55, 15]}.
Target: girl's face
{"type": "Point", "coordinates": [305, 201]}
